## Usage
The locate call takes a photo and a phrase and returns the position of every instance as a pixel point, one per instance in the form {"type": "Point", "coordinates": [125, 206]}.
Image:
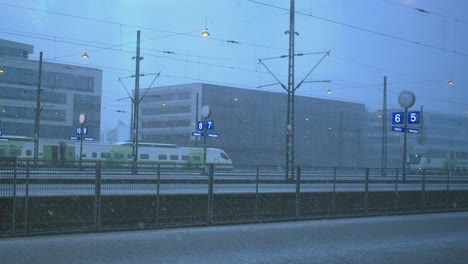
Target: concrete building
{"type": "Point", "coordinates": [252, 124]}
{"type": "Point", "coordinates": [66, 92]}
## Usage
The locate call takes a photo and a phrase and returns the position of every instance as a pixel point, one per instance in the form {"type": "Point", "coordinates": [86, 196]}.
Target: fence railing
{"type": "Point", "coordinates": [65, 197]}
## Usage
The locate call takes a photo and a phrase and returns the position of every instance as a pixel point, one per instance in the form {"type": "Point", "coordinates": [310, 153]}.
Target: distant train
{"type": "Point", "coordinates": [439, 159]}
{"type": "Point", "coordinates": [50, 150]}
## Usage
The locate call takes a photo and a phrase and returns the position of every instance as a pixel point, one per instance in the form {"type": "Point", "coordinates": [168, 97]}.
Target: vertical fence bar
{"type": "Point", "coordinates": [447, 198]}
{"type": "Point", "coordinates": [256, 194]}
{"type": "Point", "coordinates": [158, 186]}
{"type": "Point", "coordinates": [97, 197]}
{"type": "Point", "coordinates": [26, 200]}
{"type": "Point", "coordinates": [298, 192]}
{"type": "Point", "coordinates": [210, 194]}
{"type": "Point", "coordinates": [397, 195]}
{"type": "Point", "coordinates": [423, 191]}
{"type": "Point", "coordinates": [366, 194]}
{"type": "Point", "coordinates": [13, 213]}
{"type": "Point", "coordinates": [334, 192]}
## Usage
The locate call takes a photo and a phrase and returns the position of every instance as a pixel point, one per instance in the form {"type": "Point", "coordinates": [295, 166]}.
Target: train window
{"type": "Point", "coordinates": [174, 157]}
{"type": "Point", "coordinates": [28, 152]}
{"type": "Point", "coordinates": [144, 156]}
{"type": "Point", "coordinates": [15, 152]}
{"type": "Point", "coordinates": [197, 158]}
{"type": "Point", "coordinates": [162, 157]}
{"type": "Point", "coordinates": [94, 155]}
{"type": "Point", "coordinates": [428, 160]}
{"type": "Point", "coordinates": [119, 155]}
{"type": "Point", "coordinates": [105, 155]}
{"type": "Point", "coordinates": [185, 157]}
{"type": "Point", "coordinates": [224, 156]}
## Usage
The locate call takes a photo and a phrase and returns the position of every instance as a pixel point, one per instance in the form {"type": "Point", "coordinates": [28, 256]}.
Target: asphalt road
{"type": "Point", "coordinates": [432, 238]}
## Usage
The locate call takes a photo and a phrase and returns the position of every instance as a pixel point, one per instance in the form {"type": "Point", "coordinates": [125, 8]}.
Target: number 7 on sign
{"type": "Point", "coordinates": [210, 125]}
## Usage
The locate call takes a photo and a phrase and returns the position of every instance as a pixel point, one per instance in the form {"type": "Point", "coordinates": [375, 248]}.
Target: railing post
{"type": "Point", "coordinates": [298, 192]}
{"type": "Point", "coordinates": [256, 194]}
{"type": "Point", "coordinates": [423, 191]}
{"type": "Point", "coordinates": [158, 186]}
{"type": "Point", "coordinates": [13, 213]}
{"type": "Point", "coordinates": [397, 195]}
{"type": "Point", "coordinates": [366, 194]}
{"type": "Point", "coordinates": [334, 192]}
{"type": "Point", "coordinates": [26, 200]}
{"type": "Point", "coordinates": [210, 194]}
{"type": "Point", "coordinates": [97, 197]}
{"type": "Point", "coordinates": [447, 198]}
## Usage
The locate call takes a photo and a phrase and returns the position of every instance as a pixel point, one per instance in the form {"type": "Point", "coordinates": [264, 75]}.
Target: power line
{"type": "Point", "coordinates": [368, 30]}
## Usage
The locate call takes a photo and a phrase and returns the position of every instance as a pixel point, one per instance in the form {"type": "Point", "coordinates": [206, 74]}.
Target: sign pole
{"type": "Point", "coordinates": [405, 120]}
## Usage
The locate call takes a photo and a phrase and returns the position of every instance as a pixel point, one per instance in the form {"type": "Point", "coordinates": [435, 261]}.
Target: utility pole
{"type": "Point", "coordinates": [136, 104]}
{"type": "Point", "coordinates": [37, 112]}
{"type": "Point", "coordinates": [291, 90]}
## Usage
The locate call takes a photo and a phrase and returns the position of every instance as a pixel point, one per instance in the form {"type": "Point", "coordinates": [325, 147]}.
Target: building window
{"type": "Point", "coordinates": [28, 152]}
{"type": "Point", "coordinates": [144, 156]}
{"type": "Point", "coordinates": [162, 157]}
{"type": "Point", "coordinates": [174, 157]}
{"type": "Point", "coordinates": [94, 155]}
{"type": "Point", "coordinates": [185, 157]}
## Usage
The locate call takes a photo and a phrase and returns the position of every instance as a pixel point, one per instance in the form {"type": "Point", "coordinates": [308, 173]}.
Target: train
{"type": "Point", "coordinates": [64, 151]}
{"type": "Point", "coordinates": [439, 159]}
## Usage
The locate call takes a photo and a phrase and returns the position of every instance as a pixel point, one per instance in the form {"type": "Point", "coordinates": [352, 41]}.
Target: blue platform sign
{"type": "Point", "coordinates": [413, 117]}
{"type": "Point", "coordinates": [210, 125]}
{"type": "Point", "coordinates": [198, 134]}
{"type": "Point", "coordinates": [85, 131]}
{"type": "Point", "coordinates": [398, 129]}
{"type": "Point", "coordinates": [200, 125]}
{"type": "Point", "coordinates": [213, 135]}
{"type": "Point", "coordinates": [398, 118]}
{"type": "Point", "coordinates": [413, 131]}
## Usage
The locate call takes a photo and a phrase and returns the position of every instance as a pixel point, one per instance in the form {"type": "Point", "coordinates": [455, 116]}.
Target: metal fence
{"type": "Point", "coordinates": [66, 197]}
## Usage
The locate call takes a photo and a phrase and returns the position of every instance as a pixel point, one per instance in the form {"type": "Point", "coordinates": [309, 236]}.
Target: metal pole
{"type": "Point", "coordinates": [210, 194]}
{"type": "Point", "coordinates": [37, 112]}
{"type": "Point", "coordinates": [334, 192]}
{"type": "Point", "coordinates": [81, 145]}
{"type": "Point", "coordinates": [397, 198]}
{"type": "Point", "coordinates": [136, 104]}
{"type": "Point", "coordinates": [404, 142]}
{"type": "Point", "coordinates": [256, 193]}
{"type": "Point", "coordinates": [298, 192]}
{"type": "Point", "coordinates": [158, 186]}
{"type": "Point", "coordinates": [366, 194]}
{"type": "Point", "coordinates": [384, 130]}
{"type": "Point", "coordinates": [423, 191]}
{"type": "Point", "coordinates": [26, 200]}
{"type": "Point", "coordinates": [291, 89]}
{"type": "Point", "coordinates": [13, 214]}
{"type": "Point", "coordinates": [97, 197]}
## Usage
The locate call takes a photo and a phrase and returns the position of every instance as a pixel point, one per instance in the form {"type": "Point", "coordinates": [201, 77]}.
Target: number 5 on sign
{"type": "Point", "coordinates": [413, 118]}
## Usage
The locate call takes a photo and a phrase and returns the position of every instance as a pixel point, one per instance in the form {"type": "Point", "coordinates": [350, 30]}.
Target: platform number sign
{"type": "Point", "coordinates": [413, 118]}
{"type": "Point", "coordinates": [398, 118]}
{"type": "Point", "coordinates": [200, 125]}
{"type": "Point", "coordinates": [210, 125]}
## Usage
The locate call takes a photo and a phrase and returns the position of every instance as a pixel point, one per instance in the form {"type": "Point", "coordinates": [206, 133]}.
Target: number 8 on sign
{"type": "Point", "coordinates": [200, 125]}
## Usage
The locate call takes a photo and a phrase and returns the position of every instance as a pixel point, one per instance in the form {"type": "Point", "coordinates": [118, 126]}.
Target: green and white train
{"type": "Point", "coordinates": [439, 159]}
{"type": "Point", "coordinates": [49, 150]}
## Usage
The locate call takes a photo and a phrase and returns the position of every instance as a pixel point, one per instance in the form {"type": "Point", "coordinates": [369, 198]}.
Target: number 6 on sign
{"type": "Point", "coordinates": [397, 118]}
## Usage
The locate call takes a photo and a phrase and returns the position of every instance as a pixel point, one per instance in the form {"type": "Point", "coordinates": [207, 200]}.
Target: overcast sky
{"type": "Point", "coordinates": [419, 44]}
